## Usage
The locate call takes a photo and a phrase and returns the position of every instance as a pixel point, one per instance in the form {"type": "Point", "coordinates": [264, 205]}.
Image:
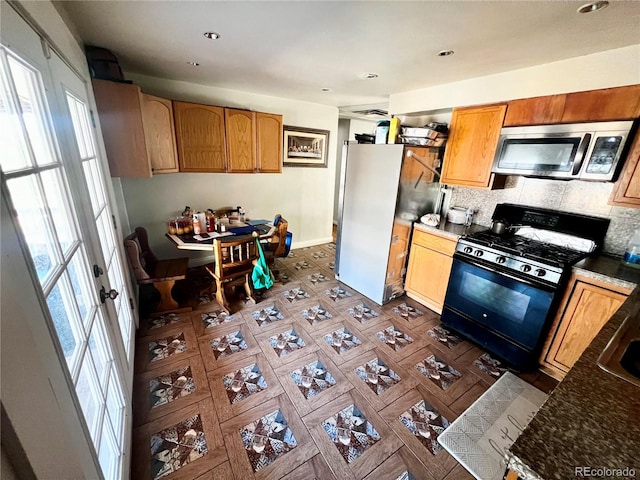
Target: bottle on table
{"type": "Point", "coordinates": [210, 220]}
{"type": "Point", "coordinates": [196, 225]}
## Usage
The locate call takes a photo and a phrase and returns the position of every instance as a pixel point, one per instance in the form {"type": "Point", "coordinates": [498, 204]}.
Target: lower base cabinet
{"type": "Point", "coordinates": [430, 261]}
{"type": "Point", "coordinates": [586, 306]}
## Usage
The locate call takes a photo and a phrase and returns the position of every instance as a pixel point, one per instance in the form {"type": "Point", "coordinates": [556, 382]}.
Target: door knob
{"type": "Point", "coordinates": [112, 294]}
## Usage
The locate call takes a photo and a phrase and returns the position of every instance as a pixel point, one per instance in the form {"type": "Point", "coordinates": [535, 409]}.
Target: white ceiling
{"type": "Point", "coordinates": [293, 49]}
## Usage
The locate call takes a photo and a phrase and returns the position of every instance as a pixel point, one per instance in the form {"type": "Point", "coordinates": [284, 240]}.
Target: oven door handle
{"type": "Point", "coordinates": [538, 285]}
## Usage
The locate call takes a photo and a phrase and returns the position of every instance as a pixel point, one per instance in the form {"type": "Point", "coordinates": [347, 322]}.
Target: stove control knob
{"type": "Point", "coordinates": [540, 272]}
{"type": "Point", "coordinates": [467, 250]}
{"type": "Point", "coordinates": [478, 253]}
{"type": "Point", "coordinates": [525, 268]}
{"type": "Point", "coordinates": [501, 259]}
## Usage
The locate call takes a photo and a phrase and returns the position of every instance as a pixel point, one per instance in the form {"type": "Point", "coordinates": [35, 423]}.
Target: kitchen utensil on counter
{"type": "Point", "coordinates": [501, 227]}
{"type": "Point", "coordinates": [431, 219]}
{"type": "Point", "coordinates": [457, 215]}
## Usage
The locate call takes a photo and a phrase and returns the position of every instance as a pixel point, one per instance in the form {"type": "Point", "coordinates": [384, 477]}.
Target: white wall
{"type": "Point", "coordinates": [304, 196]}
{"type": "Point", "coordinates": [361, 126]}
{"type": "Point", "coordinates": [612, 68]}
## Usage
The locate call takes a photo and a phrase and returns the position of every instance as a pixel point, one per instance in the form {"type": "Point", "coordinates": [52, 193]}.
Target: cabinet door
{"type": "Point", "coordinates": [398, 255]}
{"type": "Point", "coordinates": [473, 139]}
{"type": "Point", "coordinates": [269, 142]}
{"type": "Point", "coordinates": [120, 112]}
{"type": "Point", "coordinates": [200, 137]}
{"type": "Point", "coordinates": [535, 111]}
{"type": "Point", "coordinates": [420, 166]}
{"type": "Point", "coordinates": [428, 276]}
{"type": "Point", "coordinates": [621, 103]}
{"type": "Point", "coordinates": [626, 192]}
{"type": "Point", "coordinates": [240, 126]}
{"type": "Point", "coordinates": [585, 309]}
{"type": "Point", "coordinates": [159, 133]}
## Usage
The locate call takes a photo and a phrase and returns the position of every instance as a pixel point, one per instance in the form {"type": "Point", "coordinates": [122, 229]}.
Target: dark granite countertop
{"type": "Point", "coordinates": [592, 418]}
{"type": "Point", "coordinates": [609, 269]}
{"type": "Point", "coordinates": [450, 230]}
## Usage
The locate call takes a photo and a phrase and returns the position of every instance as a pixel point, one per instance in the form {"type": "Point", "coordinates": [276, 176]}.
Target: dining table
{"type": "Point", "coordinates": [194, 242]}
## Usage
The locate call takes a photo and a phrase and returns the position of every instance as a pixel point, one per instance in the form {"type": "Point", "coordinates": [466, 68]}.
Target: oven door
{"type": "Point", "coordinates": [511, 307]}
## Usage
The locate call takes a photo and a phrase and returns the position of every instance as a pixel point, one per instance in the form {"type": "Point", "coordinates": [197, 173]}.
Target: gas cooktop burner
{"type": "Point", "coordinates": [527, 248]}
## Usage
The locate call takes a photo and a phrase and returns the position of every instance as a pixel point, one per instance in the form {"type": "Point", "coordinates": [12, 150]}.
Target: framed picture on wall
{"type": "Point", "coordinates": [305, 147]}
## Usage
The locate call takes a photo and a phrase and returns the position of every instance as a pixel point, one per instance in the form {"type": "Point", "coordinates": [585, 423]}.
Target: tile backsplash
{"type": "Point", "coordinates": [588, 198]}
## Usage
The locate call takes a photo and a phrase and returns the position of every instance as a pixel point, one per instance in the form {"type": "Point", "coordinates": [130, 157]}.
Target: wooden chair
{"type": "Point", "coordinates": [234, 259]}
{"type": "Point", "coordinates": [149, 270]}
{"type": "Point", "coordinates": [277, 244]}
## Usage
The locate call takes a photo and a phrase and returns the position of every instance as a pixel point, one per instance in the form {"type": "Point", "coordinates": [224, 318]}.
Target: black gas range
{"type": "Point", "coordinates": [504, 289]}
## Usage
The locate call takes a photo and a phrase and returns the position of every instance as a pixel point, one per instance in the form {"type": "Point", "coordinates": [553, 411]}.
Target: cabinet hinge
{"type": "Point", "coordinates": [113, 217]}
{"type": "Point", "coordinates": [131, 304]}
{"type": "Point", "coordinates": [93, 120]}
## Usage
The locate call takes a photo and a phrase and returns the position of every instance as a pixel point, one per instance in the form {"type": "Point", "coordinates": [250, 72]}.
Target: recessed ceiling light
{"type": "Point", "coordinates": [370, 75]}
{"type": "Point", "coordinates": [325, 89]}
{"type": "Point", "coordinates": [593, 6]}
{"type": "Point", "coordinates": [194, 64]}
{"type": "Point", "coordinates": [212, 35]}
{"type": "Point", "coordinates": [445, 53]}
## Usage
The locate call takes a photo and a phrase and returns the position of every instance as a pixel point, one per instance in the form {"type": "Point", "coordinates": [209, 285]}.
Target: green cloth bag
{"type": "Point", "coordinates": [261, 275]}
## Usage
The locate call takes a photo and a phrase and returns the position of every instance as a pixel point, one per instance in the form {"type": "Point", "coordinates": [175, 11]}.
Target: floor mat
{"type": "Point", "coordinates": [480, 437]}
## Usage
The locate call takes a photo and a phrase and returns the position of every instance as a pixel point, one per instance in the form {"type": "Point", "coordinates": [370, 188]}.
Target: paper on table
{"type": "Point", "coordinates": [258, 222]}
{"type": "Point", "coordinates": [212, 235]}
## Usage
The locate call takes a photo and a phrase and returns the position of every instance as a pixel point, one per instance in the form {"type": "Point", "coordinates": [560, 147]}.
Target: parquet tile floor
{"type": "Point", "coordinates": [313, 381]}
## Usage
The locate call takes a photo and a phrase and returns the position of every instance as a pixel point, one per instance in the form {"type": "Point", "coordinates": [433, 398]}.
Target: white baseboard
{"type": "Point", "coordinates": [311, 243]}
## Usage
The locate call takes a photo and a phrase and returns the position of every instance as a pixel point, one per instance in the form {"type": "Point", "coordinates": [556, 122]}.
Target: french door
{"type": "Point", "coordinates": [54, 182]}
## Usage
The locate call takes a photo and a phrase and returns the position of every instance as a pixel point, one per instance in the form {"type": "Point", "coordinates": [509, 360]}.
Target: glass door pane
{"type": "Point", "coordinates": [37, 176]}
{"type": "Point", "coordinates": [102, 216]}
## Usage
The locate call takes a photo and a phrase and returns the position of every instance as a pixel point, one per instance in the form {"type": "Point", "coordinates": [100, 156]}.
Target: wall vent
{"type": "Point", "coordinates": [372, 111]}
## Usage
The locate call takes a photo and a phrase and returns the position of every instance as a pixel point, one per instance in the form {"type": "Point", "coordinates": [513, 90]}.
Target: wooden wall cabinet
{"type": "Point", "coordinates": [607, 104]}
{"type": "Point", "coordinates": [269, 142]}
{"type": "Point", "coordinates": [240, 128]}
{"type": "Point", "coordinates": [159, 133]}
{"type": "Point", "coordinates": [137, 128]}
{"type": "Point", "coordinates": [217, 139]}
{"type": "Point", "coordinates": [535, 111]}
{"type": "Point", "coordinates": [626, 192]}
{"type": "Point", "coordinates": [200, 137]}
{"type": "Point", "coordinates": [430, 261]}
{"type": "Point", "coordinates": [473, 140]}
{"type": "Point", "coordinates": [254, 141]}
{"type": "Point", "coordinates": [585, 307]}
{"type": "Point", "coordinates": [120, 111]}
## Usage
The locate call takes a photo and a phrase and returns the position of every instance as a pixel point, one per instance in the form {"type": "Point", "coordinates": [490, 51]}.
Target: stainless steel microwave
{"type": "Point", "coordinates": [586, 151]}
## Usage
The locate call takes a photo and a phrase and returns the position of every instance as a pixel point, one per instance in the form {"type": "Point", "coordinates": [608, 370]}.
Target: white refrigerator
{"type": "Point", "coordinates": [383, 190]}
